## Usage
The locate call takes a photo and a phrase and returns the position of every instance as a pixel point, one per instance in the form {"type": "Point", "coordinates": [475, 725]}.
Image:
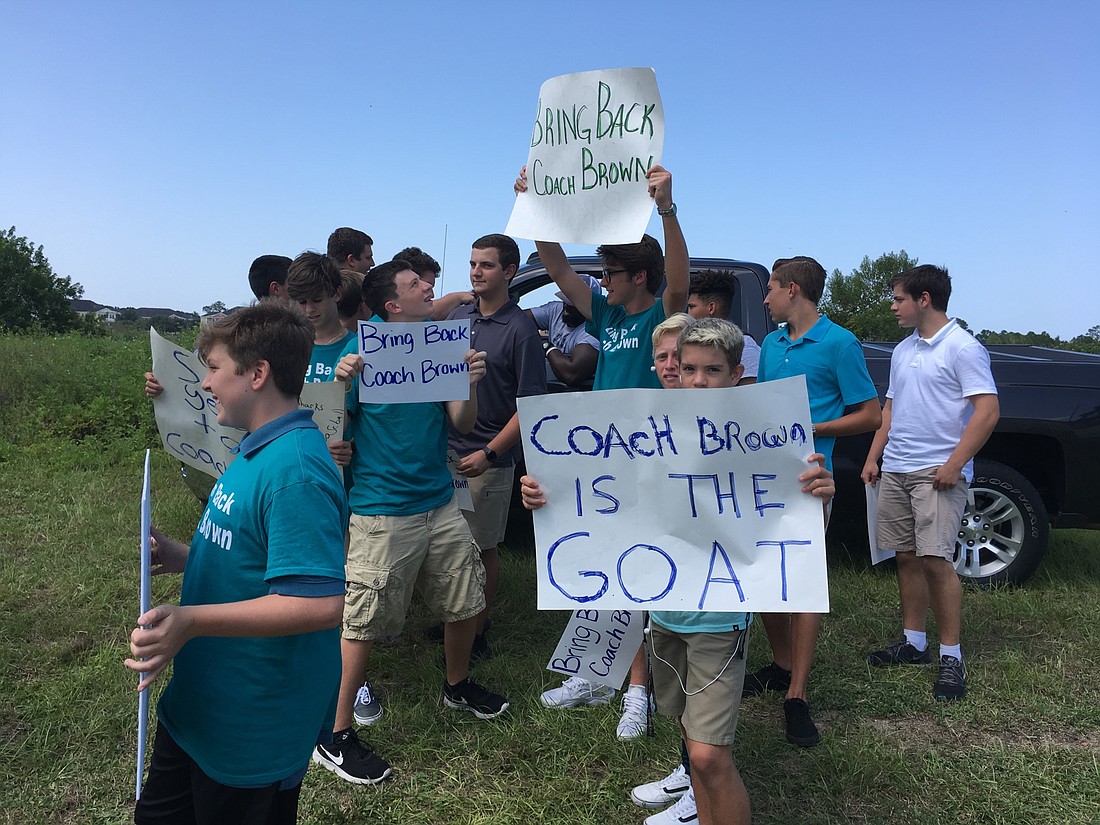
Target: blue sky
{"type": "Point", "coordinates": [154, 150]}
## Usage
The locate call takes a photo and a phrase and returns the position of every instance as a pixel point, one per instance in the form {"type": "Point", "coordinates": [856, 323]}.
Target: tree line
{"type": "Point", "coordinates": [36, 299]}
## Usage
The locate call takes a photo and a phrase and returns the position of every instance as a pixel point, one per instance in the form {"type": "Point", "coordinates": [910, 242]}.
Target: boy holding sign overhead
{"type": "Point", "coordinates": [623, 320]}
{"type": "Point", "coordinates": [699, 656]}
{"type": "Point", "coordinates": [406, 534]}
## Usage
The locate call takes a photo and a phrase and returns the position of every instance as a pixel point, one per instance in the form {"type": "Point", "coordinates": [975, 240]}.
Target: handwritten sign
{"type": "Point", "coordinates": [595, 135]}
{"type": "Point", "coordinates": [186, 414]}
{"type": "Point", "coordinates": [676, 499]}
{"type": "Point", "coordinates": [326, 400]}
{"type": "Point", "coordinates": [410, 363]}
{"type": "Point", "coordinates": [463, 497]}
{"type": "Point", "coordinates": [187, 417]}
{"type": "Point", "coordinates": [598, 645]}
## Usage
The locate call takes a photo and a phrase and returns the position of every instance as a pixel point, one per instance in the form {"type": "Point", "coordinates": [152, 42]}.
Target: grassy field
{"type": "Point", "coordinates": [1023, 747]}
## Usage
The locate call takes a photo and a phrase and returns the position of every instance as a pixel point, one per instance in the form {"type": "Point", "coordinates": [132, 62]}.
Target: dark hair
{"type": "Point", "coordinates": [719, 333]}
{"type": "Point", "coordinates": [273, 331]}
{"type": "Point", "coordinates": [380, 285]}
{"type": "Point", "coordinates": [714, 285]}
{"type": "Point", "coordinates": [646, 255]}
{"type": "Point", "coordinates": [312, 274]}
{"type": "Point", "coordinates": [507, 249]}
{"type": "Point", "coordinates": [804, 271]}
{"type": "Point", "coordinates": [926, 278]}
{"type": "Point", "coordinates": [419, 260]}
{"type": "Point", "coordinates": [264, 270]}
{"type": "Point", "coordinates": [351, 293]}
{"type": "Point", "coordinates": [347, 241]}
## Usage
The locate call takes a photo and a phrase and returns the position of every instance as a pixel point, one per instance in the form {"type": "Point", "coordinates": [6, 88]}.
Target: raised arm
{"type": "Point", "coordinates": [677, 262]}
{"type": "Point", "coordinates": [443, 307]}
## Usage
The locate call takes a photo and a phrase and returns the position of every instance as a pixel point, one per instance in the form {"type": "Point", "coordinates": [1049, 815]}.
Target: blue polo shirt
{"type": "Point", "coordinates": [250, 710]}
{"type": "Point", "coordinates": [836, 373]}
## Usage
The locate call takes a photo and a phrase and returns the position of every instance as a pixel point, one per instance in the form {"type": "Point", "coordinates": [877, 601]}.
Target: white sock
{"type": "Point", "coordinates": [952, 650]}
{"type": "Point", "coordinates": [635, 690]}
{"type": "Point", "coordinates": [917, 638]}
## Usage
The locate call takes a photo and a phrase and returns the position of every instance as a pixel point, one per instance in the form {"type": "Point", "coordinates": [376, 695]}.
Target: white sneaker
{"type": "Point", "coordinates": [664, 791]}
{"type": "Point", "coordinates": [575, 692]}
{"type": "Point", "coordinates": [683, 811]}
{"type": "Point", "coordinates": [632, 723]}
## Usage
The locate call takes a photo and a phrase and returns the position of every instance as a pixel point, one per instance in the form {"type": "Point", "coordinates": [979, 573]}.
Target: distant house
{"type": "Point", "coordinates": [104, 313]}
{"type": "Point", "coordinates": [110, 315]}
{"type": "Point", "coordinates": [217, 317]}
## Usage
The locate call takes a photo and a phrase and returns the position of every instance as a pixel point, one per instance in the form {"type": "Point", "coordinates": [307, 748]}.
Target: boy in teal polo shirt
{"type": "Point", "coordinates": [254, 637]}
{"type": "Point", "coordinates": [843, 401]}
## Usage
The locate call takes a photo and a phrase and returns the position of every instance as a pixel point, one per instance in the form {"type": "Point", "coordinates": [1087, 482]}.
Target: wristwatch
{"type": "Point", "coordinates": [490, 454]}
{"type": "Point", "coordinates": [664, 213]}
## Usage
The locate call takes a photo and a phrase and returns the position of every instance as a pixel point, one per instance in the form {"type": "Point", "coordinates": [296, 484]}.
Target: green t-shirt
{"type": "Point", "coordinates": [626, 345]}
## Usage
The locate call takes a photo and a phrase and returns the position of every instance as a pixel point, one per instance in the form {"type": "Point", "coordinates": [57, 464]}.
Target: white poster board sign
{"type": "Point", "coordinates": [463, 497]}
{"type": "Point", "coordinates": [877, 553]}
{"type": "Point", "coordinates": [187, 418]}
{"type": "Point", "coordinates": [410, 363]}
{"type": "Point", "coordinates": [599, 645]}
{"type": "Point", "coordinates": [595, 135]}
{"type": "Point", "coordinates": [676, 499]}
{"type": "Point", "coordinates": [186, 415]}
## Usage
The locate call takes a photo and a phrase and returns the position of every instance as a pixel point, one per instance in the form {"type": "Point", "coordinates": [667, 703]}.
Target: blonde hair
{"type": "Point", "coordinates": [675, 324]}
{"type": "Point", "coordinates": [714, 332]}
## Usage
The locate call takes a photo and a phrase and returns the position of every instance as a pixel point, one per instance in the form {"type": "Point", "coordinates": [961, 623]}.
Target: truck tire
{"type": "Point", "coordinates": [1003, 535]}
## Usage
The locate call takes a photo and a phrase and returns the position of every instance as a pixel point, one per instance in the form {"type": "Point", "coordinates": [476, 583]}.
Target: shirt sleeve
{"type": "Point", "coordinates": [530, 361]}
{"type": "Point", "coordinates": [855, 381]}
{"type": "Point", "coordinates": [309, 587]}
{"type": "Point", "coordinates": [542, 315]}
{"type": "Point", "coordinates": [305, 531]}
{"type": "Point", "coordinates": [974, 372]}
{"type": "Point", "coordinates": [750, 358]}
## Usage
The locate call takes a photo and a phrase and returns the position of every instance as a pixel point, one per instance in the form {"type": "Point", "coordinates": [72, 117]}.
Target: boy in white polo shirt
{"type": "Point", "coordinates": [940, 409]}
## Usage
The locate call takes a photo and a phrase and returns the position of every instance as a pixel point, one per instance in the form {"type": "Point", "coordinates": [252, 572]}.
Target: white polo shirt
{"type": "Point", "coordinates": [930, 384]}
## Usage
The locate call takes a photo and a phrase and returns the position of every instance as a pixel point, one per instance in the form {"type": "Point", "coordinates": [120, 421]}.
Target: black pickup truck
{"type": "Point", "coordinates": [1031, 475]}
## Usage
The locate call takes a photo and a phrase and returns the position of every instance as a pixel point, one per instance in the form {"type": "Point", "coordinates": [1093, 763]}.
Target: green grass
{"type": "Point", "coordinates": [1023, 747]}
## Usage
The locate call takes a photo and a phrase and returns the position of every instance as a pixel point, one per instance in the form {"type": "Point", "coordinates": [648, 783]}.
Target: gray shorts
{"type": "Point", "coordinates": [492, 493]}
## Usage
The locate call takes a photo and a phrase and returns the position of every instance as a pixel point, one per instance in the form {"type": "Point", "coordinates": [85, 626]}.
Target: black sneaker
{"type": "Point", "coordinates": [899, 653]}
{"type": "Point", "coordinates": [351, 759]}
{"type": "Point", "coordinates": [801, 729]}
{"type": "Point", "coordinates": [951, 684]}
{"type": "Point", "coordinates": [469, 695]}
{"type": "Point", "coordinates": [772, 677]}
